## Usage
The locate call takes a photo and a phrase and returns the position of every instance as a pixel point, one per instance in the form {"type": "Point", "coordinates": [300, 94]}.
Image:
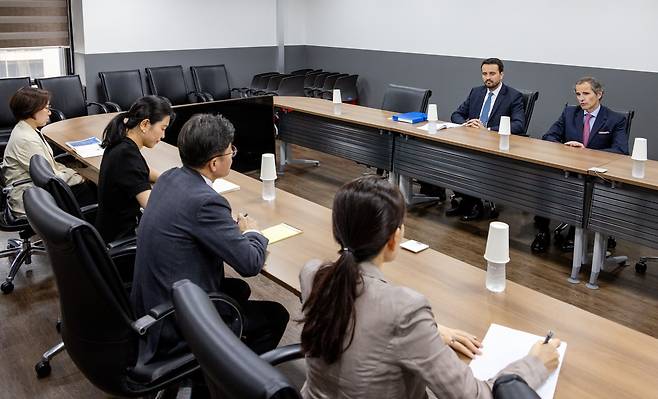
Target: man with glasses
{"type": "Point", "coordinates": [187, 232]}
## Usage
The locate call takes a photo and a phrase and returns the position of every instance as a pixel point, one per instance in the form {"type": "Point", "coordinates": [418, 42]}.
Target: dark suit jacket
{"type": "Point", "coordinates": [508, 103]}
{"type": "Point", "coordinates": [187, 232]}
{"type": "Point", "coordinates": [608, 132]}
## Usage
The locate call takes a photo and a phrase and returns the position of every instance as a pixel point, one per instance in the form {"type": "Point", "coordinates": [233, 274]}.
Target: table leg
{"type": "Point", "coordinates": [578, 244]}
{"type": "Point", "coordinates": [598, 256]}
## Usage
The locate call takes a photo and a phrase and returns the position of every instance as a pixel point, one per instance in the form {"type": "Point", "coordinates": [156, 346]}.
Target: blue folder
{"type": "Point", "coordinates": [411, 117]}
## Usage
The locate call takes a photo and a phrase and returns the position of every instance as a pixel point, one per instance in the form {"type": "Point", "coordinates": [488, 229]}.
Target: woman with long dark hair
{"type": "Point", "coordinates": [366, 338]}
{"type": "Point", "coordinates": [125, 179]}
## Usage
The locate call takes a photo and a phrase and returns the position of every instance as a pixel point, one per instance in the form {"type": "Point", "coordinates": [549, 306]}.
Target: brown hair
{"type": "Point", "coordinates": [366, 213]}
{"type": "Point", "coordinates": [27, 101]}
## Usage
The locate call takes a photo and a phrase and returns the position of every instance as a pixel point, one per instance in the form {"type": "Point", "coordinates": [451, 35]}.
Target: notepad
{"type": "Point", "coordinates": [414, 246]}
{"type": "Point", "coordinates": [87, 148]}
{"type": "Point", "coordinates": [410, 117]}
{"type": "Point", "coordinates": [503, 345]}
{"type": "Point", "coordinates": [439, 126]}
{"type": "Point", "coordinates": [224, 186]}
{"type": "Point", "coordinates": [280, 232]}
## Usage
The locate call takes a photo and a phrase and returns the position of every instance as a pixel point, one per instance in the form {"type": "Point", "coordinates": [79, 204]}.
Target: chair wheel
{"type": "Point", "coordinates": [58, 326]}
{"type": "Point", "coordinates": [641, 267]}
{"type": "Point", "coordinates": [612, 243]}
{"type": "Point", "coordinates": [42, 369]}
{"type": "Point", "coordinates": [7, 287]}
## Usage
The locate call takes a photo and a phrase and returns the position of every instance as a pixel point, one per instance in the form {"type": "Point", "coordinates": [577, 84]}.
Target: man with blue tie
{"type": "Point", "coordinates": [587, 125]}
{"type": "Point", "coordinates": [482, 109]}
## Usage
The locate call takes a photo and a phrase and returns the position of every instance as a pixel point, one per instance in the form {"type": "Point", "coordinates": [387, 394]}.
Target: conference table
{"type": "Point", "coordinates": [544, 178]}
{"type": "Point", "coordinates": [603, 360]}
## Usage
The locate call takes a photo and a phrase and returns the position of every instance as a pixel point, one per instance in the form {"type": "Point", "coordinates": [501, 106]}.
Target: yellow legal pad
{"type": "Point", "coordinates": [280, 232]}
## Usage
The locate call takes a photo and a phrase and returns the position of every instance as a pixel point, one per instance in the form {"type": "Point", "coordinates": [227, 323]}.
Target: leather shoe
{"type": "Point", "coordinates": [456, 208]}
{"type": "Point", "coordinates": [474, 213]}
{"type": "Point", "coordinates": [541, 242]}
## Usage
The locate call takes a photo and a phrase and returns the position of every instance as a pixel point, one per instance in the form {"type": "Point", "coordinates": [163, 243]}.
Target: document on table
{"type": "Point", "coordinates": [439, 126]}
{"type": "Point", "coordinates": [280, 232]}
{"type": "Point", "coordinates": [503, 345]}
{"type": "Point", "coordinates": [224, 186]}
{"type": "Point", "coordinates": [87, 148]}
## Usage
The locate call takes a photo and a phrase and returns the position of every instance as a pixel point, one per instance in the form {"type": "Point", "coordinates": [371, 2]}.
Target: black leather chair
{"type": "Point", "coordinates": [232, 369]}
{"type": "Point", "coordinates": [347, 87]}
{"type": "Point", "coordinates": [211, 80]}
{"type": "Point", "coordinates": [99, 328]}
{"type": "Point", "coordinates": [169, 82]}
{"type": "Point", "coordinates": [273, 83]}
{"type": "Point", "coordinates": [8, 87]}
{"type": "Point", "coordinates": [529, 100]}
{"type": "Point", "coordinates": [511, 386]}
{"type": "Point", "coordinates": [19, 250]}
{"type": "Point", "coordinates": [317, 83]}
{"type": "Point", "coordinates": [121, 88]}
{"type": "Point", "coordinates": [289, 86]}
{"type": "Point", "coordinates": [328, 84]}
{"type": "Point", "coordinates": [67, 97]}
{"type": "Point", "coordinates": [258, 82]}
{"type": "Point", "coordinates": [302, 71]}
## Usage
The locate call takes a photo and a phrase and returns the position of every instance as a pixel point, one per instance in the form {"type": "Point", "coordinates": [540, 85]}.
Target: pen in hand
{"type": "Point", "coordinates": [548, 336]}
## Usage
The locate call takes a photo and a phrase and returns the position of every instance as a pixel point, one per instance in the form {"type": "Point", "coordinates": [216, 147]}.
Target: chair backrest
{"type": "Point", "coordinates": [309, 78]}
{"type": "Point", "coordinates": [347, 87]}
{"type": "Point", "coordinates": [122, 87]}
{"type": "Point", "coordinates": [233, 369]}
{"type": "Point", "coordinates": [511, 386]}
{"type": "Point", "coordinates": [8, 87]}
{"type": "Point", "coordinates": [263, 79]}
{"type": "Point", "coordinates": [43, 176]}
{"type": "Point", "coordinates": [529, 100]}
{"type": "Point", "coordinates": [66, 94]}
{"type": "Point", "coordinates": [330, 80]}
{"type": "Point", "coordinates": [292, 86]}
{"type": "Point", "coordinates": [405, 99]}
{"type": "Point", "coordinates": [319, 79]}
{"type": "Point", "coordinates": [301, 71]}
{"type": "Point", "coordinates": [211, 79]}
{"type": "Point", "coordinates": [169, 82]}
{"type": "Point", "coordinates": [95, 310]}
{"type": "Point", "coordinates": [274, 81]}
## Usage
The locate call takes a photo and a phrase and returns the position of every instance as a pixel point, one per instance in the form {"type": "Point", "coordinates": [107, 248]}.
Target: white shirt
{"type": "Point", "coordinates": [493, 99]}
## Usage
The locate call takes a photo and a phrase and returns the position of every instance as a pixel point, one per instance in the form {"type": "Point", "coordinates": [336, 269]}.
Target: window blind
{"type": "Point", "coordinates": [34, 23]}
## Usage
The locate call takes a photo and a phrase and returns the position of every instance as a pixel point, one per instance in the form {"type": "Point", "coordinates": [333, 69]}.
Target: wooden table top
{"type": "Point", "coordinates": [554, 155]}
{"type": "Point", "coordinates": [621, 171]}
{"type": "Point", "coordinates": [604, 359]}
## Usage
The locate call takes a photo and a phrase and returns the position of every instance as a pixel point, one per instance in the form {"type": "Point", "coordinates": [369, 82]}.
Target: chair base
{"type": "Point", "coordinates": [284, 151]}
{"type": "Point", "coordinates": [42, 368]}
{"type": "Point", "coordinates": [21, 250]}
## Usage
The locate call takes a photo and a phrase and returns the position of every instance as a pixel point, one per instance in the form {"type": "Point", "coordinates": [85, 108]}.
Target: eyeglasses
{"type": "Point", "coordinates": [233, 153]}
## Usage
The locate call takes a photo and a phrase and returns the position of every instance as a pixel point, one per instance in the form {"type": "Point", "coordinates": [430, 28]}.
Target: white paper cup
{"type": "Point", "coordinates": [497, 250]}
{"type": "Point", "coordinates": [268, 191]}
{"type": "Point", "coordinates": [503, 142]}
{"type": "Point", "coordinates": [639, 149]}
{"type": "Point", "coordinates": [336, 97]}
{"type": "Point", "coordinates": [505, 125]}
{"type": "Point", "coordinates": [432, 113]}
{"type": "Point", "coordinates": [638, 169]}
{"type": "Point", "coordinates": [267, 167]}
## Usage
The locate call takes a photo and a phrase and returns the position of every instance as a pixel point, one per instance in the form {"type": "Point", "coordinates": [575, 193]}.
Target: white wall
{"type": "Point", "coordinates": [119, 26]}
{"type": "Point", "coordinates": [608, 34]}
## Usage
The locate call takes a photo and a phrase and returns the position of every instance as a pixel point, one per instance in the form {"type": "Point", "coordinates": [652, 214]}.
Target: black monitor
{"type": "Point", "coordinates": [253, 119]}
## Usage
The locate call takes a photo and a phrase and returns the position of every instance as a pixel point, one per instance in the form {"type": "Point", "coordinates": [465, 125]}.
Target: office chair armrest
{"type": "Point", "coordinates": [121, 251]}
{"type": "Point", "coordinates": [99, 105]}
{"type": "Point", "coordinates": [89, 213]}
{"type": "Point", "coordinates": [283, 354]}
{"type": "Point", "coordinates": [112, 107]}
{"type": "Point", "coordinates": [270, 93]}
{"type": "Point", "coordinates": [56, 115]}
{"type": "Point", "coordinates": [207, 95]}
{"type": "Point", "coordinates": [6, 189]}
{"type": "Point", "coordinates": [122, 242]}
{"type": "Point", "coordinates": [196, 97]}
{"type": "Point", "coordinates": [166, 309]}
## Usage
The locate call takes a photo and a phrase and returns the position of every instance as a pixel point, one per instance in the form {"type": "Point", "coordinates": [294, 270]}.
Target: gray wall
{"type": "Point", "coordinates": [241, 64]}
{"type": "Point", "coordinates": [450, 79]}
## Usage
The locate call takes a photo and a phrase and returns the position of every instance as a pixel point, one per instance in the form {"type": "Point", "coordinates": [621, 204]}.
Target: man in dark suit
{"type": "Point", "coordinates": [187, 232]}
{"type": "Point", "coordinates": [588, 125]}
{"type": "Point", "coordinates": [482, 109]}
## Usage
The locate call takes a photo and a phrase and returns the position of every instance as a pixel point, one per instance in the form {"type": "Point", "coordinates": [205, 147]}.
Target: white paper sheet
{"type": "Point", "coordinates": [439, 126]}
{"type": "Point", "coordinates": [414, 246]}
{"type": "Point", "coordinates": [224, 186]}
{"type": "Point", "coordinates": [503, 345]}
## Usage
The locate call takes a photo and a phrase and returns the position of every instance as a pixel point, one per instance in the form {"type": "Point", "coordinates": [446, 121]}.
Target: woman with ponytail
{"type": "Point", "coordinates": [124, 183]}
{"type": "Point", "coordinates": [366, 338]}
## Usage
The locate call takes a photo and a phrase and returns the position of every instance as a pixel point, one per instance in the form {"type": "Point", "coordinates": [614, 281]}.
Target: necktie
{"type": "Point", "coordinates": [484, 116]}
{"type": "Point", "coordinates": [586, 130]}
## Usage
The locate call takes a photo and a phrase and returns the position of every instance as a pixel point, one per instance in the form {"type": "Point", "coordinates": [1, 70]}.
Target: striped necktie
{"type": "Point", "coordinates": [586, 129]}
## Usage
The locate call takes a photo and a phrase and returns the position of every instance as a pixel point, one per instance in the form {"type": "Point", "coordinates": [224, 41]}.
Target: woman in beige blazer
{"type": "Point", "coordinates": [30, 107]}
{"type": "Point", "coordinates": [366, 338]}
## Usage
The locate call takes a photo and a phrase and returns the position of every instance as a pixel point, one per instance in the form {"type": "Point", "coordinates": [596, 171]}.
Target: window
{"type": "Point", "coordinates": [33, 62]}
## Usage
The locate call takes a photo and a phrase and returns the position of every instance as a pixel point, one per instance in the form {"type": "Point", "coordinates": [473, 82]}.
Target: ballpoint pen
{"type": "Point", "coordinates": [548, 336]}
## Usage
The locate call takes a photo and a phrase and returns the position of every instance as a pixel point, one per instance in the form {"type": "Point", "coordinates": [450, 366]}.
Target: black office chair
{"type": "Point", "coordinates": [328, 84]}
{"type": "Point", "coordinates": [405, 99]}
{"type": "Point", "coordinates": [211, 80]}
{"type": "Point", "coordinates": [169, 82]}
{"type": "Point", "coordinates": [511, 386]}
{"type": "Point", "coordinates": [67, 97]}
{"type": "Point", "coordinates": [232, 370]}
{"type": "Point", "coordinates": [99, 328]}
{"type": "Point", "coordinates": [317, 83]}
{"type": "Point", "coordinates": [273, 83]}
{"type": "Point", "coordinates": [289, 86]}
{"type": "Point", "coordinates": [347, 87]}
{"type": "Point", "coordinates": [258, 82]}
{"type": "Point", "coordinates": [529, 100]}
{"type": "Point", "coordinates": [121, 88]}
{"type": "Point", "coordinates": [8, 87]}
{"type": "Point", "coordinates": [302, 71]}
